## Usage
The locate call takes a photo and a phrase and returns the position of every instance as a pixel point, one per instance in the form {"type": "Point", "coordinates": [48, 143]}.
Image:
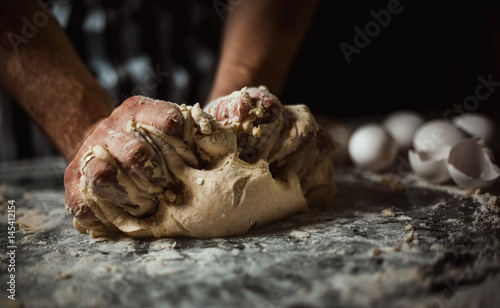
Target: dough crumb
{"type": "Point", "coordinates": [199, 181]}
{"type": "Point", "coordinates": [376, 252]}
{"type": "Point", "coordinates": [388, 213]}
{"type": "Point", "coordinates": [394, 184]}
{"type": "Point", "coordinates": [64, 276]}
{"type": "Point", "coordinates": [409, 237]}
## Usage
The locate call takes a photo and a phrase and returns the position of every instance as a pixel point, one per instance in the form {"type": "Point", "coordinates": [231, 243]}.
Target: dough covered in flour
{"type": "Point", "coordinates": [158, 169]}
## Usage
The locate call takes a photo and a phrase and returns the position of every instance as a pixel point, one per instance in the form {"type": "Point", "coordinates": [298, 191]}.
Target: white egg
{"type": "Point", "coordinates": [470, 164]}
{"type": "Point", "coordinates": [372, 147]}
{"type": "Point", "coordinates": [432, 135]}
{"type": "Point", "coordinates": [402, 125]}
{"type": "Point", "coordinates": [476, 125]}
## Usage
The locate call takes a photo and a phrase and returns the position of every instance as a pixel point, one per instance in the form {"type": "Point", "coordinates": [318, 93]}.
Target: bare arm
{"type": "Point", "coordinates": [260, 42]}
{"type": "Point", "coordinates": [42, 71]}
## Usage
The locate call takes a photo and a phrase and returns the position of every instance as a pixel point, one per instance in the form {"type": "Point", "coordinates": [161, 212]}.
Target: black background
{"type": "Point", "coordinates": [427, 58]}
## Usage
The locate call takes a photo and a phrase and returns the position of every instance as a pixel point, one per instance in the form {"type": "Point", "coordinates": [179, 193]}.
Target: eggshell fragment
{"type": "Point", "coordinates": [432, 135]}
{"type": "Point", "coordinates": [470, 164]}
{"type": "Point", "coordinates": [402, 125]}
{"type": "Point", "coordinates": [430, 166]}
{"type": "Point", "coordinates": [371, 147]}
{"type": "Point", "coordinates": [476, 125]}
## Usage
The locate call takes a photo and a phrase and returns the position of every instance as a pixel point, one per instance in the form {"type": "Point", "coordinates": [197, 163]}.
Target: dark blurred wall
{"type": "Point", "coordinates": [428, 56]}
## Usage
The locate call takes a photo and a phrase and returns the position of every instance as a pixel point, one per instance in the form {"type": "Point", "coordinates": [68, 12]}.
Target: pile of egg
{"type": "Point", "coordinates": [438, 150]}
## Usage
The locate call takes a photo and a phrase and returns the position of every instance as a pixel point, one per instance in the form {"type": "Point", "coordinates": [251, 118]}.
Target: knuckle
{"type": "Point", "coordinates": [165, 116]}
{"type": "Point", "coordinates": [99, 172]}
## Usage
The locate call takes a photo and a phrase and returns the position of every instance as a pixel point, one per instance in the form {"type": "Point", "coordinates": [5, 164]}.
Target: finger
{"type": "Point", "coordinates": [73, 200]}
{"type": "Point", "coordinates": [162, 115]}
{"type": "Point", "coordinates": [137, 157]}
{"type": "Point", "coordinates": [270, 103]}
{"type": "Point", "coordinates": [230, 109]}
{"type": "Point", "coordinates": [106, 180]}
{"type": "Point", "coordinates": [143, 172]}
{"type": "Point", "coordinates": [166, 117]}
{"type": "Point", "coordinates": [100, 176]}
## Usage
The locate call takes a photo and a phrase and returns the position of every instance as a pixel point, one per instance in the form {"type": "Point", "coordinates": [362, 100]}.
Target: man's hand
{"type": "Point", "coordinates": [130, 151]}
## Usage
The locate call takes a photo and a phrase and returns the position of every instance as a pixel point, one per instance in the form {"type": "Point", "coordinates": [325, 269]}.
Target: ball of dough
{"type": "Point", "coordinates": [169, 170]}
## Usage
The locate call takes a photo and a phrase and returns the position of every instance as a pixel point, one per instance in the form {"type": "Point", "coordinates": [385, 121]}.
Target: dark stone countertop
{"type": "Point", "coordinates": [387, 240]}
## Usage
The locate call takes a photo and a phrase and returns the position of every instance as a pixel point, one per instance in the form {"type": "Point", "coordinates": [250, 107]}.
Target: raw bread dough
{"type": "Point", "coordinates": [244, 161]}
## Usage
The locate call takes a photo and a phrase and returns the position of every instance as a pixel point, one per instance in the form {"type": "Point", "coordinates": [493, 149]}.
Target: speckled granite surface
{"type": "Point", "coordinates": [387, 241]}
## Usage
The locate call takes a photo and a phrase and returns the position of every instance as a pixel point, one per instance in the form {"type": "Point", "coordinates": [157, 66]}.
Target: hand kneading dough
{"type": "Point", "coordinates": [244, 161]}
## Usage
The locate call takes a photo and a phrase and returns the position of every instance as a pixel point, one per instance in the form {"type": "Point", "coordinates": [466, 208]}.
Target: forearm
{"type": "Point", "coordinates": [45, 75]}
{"type": "Point", "coordinates": [260, 42]}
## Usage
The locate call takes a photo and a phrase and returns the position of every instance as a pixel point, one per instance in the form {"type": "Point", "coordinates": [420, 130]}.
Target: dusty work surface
{"type": "Point", "coordinates": [387, 241]}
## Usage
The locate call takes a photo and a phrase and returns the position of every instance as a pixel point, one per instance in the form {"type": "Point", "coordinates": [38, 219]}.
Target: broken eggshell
{"type": "Point", "coordinates": [470, 164]}
{"type": "Point", "coordinates": [430, 166]}
{"type": "Point", "coordinates": [432, 143]}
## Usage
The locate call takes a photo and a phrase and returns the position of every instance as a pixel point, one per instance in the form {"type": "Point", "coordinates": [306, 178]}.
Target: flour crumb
{"type": "Point", "coordinates": [300, 234]}
{"type": "Point", "coordinates": [394, 184]}
{"type": "Point", "coordinates": [439, 205]}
